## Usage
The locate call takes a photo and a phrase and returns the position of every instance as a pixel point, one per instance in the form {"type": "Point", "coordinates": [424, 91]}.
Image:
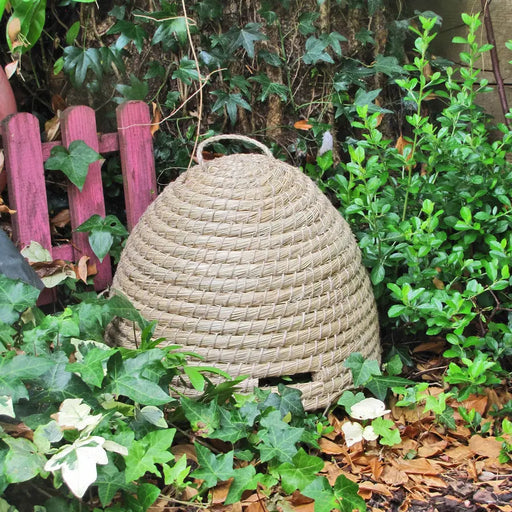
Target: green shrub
{"type": "Point", "coordinates": [432, 211]}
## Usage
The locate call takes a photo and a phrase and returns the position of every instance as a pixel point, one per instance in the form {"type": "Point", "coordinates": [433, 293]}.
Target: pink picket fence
{"type": "Point", "coordinates": [24, 164]}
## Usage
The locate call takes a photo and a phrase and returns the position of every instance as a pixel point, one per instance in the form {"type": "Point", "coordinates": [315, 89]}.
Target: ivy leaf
{"type": "Point", "coordinates": [249, 35]}
{"type": "Point", "coordinates": [388, 436]}
{"type": "Point", "coordinates": [23, 461]}
{"type": "Point", "coordinates": [306, 22]}
{"type": "Point", "coordinates": [13, 370]}
{"type": "Point", "coordinates": [300, 472]}
{"type": "Point", "coordinates": [380, 384]}
{"type": "Point", "coordinates": [147, 494]}
{"type": "Point", "coordinates": [288, 401]}
{"type": "Point", "coordinates": [362, 370]}
{"type": "Point", "coordinates": [272, 59]}
{"type": "Point", "coordinates": [130, 33]}
{"type": "Point", "coordinates": [321, 491]}
{"type": "Point", "coordinates": [388, 65]}
{"type": "Point", "coordinates": [346, 492]}
{"type": "Point", "coordinates": [137, 90]}
{"type": "Point", "coordinates": [278, 439]}
{"type": "Point", "coordinates": [187, 71]}
{"type": "Point", "coordinates": [152, 449]}
{"type": "Point", "coordinates": [176, 474]}
{"type": "Point", "coordinates": [172, 30]}
{"type": "Point", "coordinates": [133, 385]}
{"type": "Point", "coordinates": [101, 231]}
{"type": "Point", "coordinates": [315, 51]}
{"type": "Point", "coordinates": [348, 399]}
{"type": "Point", "coordinates": [333, 40]}
{"type": "Point", "coordinates": [78, 61]}
{"type": "Point", "coordinates": [268, 87]}
{"type": "Point", "coordinates": [15, 297]}
{"type": "Point", "coordinates": [212, 468]}
{"type": "Point", "coordinates": [119, 305]}
{"type": "Point", "coordinates": [232, 428]}
{"type": "Point", "coordinates": [203, 418]}
{"type": "Point", "coordinates": [73, 162]}
{"type": "Point", "coordinates": [109, 481]}
{"type": "Point", "coordinates": [91, 368]}
{"type": "Point", "coordinates": [231, 102]}
{"type": "Point", "coordinates": [243, 479]}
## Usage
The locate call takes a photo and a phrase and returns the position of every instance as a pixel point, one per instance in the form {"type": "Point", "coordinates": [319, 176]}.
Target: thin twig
{"type": "Point", "coordinates": [202, 83]}
{"type": "Point", "coordinates": [494, 58]}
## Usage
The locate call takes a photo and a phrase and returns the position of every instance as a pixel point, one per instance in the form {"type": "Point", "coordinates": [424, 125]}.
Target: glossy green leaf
{"type": "Point", "coordinates": [152, 450]}
{"type": "Point", "coordinates": [73, 162]}
{"type": "Point", "coordinates": [212, 468]}
{"type": "Point", "coordinates": [299, 473]}
{"type": "Point", "coordinates": [15, 297]}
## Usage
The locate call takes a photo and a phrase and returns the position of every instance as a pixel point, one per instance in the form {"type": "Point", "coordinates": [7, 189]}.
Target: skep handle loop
{"type": "Point", "coordinates": [216, 138]}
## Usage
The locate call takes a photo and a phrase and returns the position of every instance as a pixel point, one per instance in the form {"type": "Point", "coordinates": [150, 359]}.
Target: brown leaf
{"type": "Point", "coordinates": [81, 268]}
{"type": "Point", "coordinates": [431, 449]}
{"type": "Point", "coordinates": [157, 117]}
{"type": "Point", "coordinates": [297, 499]}
{"type": "Point", "coordinates": [418, 467]}
{"type": "Point", "coordinates": [13, 30]}
{"type": "Point", "coordinates": [330, 448]}
{"type": "Point", "coordinates": [184, 449]}
{"type": "Point", "coordinates": [485, 446]}
{"type": "Point", "coordinates": [429, 481]}
{"type": "Point", "coordinates": [438, 283]}
{"type": "Point", "coordinates": [303, 124]}
{"type": "Point", "coordinates": [479, 403]}
{"type": "Point", "coordinates": [11, 68]}
{"type": "Point", "coordinates": [458, 453]}
{"type": "Point", "coordinates": [393, 476]}
{"type": "Point", "coordinates": [437, 347]}
{"type": "Point", "coordinates": [255, 505]}
{"type": "Point", "coordinates": [52, 128]}
{"type": "Point", "coordinates": [58, 103]}
{"type": "Point", "coordinates": [220, 492]}
{"type": "Point", "coordinates": [375, 487]}
{"type": "Point", "coordinates": [62, 219]}
{"type": "Point", "coordinates": [4, 208]}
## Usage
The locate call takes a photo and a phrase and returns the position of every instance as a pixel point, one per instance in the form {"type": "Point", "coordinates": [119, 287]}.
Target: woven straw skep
{"type": "Point", "coordinates": [245, 262]}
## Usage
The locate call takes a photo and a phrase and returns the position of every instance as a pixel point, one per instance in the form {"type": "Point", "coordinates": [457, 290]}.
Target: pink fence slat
{"type": "Point", "coordinates": [25, 180]}
{"type": "Point", "coordinates": [137, 162]}
{"type": "Point", "coordinates": [79, 123]}
{"type": "Point", "coordinates": [108, 144]}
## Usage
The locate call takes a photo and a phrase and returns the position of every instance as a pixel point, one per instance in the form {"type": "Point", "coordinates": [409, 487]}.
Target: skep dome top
{"type": "Point", "coordinates": [244, 261]}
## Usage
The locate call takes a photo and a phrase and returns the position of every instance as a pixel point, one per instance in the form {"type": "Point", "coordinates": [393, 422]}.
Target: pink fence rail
{"type": "Point", "coordinates": [24, 164]}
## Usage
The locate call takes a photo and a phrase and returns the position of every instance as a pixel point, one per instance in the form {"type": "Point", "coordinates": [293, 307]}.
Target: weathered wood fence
{"type": "Point", "coordinates": [24, 163]}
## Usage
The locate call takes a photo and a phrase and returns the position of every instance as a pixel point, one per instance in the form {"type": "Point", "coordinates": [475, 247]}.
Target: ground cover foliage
{"type": "Point", "coordinates": [91, 427]}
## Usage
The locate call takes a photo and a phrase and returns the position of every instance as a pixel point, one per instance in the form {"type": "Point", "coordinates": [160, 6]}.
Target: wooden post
{"type": "Point", "coordinates": [25, 180]}
{"type": "Point", "coordinates": [137, 161]}
{"type": "Point", "coordinates": [79, 123]}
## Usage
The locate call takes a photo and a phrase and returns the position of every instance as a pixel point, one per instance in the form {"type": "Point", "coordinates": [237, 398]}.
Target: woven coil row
{"type": "Point", "coordinates": [243, 261]}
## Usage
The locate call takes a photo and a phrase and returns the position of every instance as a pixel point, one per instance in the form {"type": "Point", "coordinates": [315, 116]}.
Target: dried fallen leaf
{"type": "Point", "coordinates": [430, 449]}
{"type": "Point", "coordinates": [62, 219]}
{"type": "Point", "coordinates": [81, 268]}
{"type": "Point", "coordinates": [52, 127]}
{"type": "Point", "coordinates": [375, 487]}
{"type": "Point", "coordinates": [330, 448]}
{"type": "Point", "coordinates": [303, 124]}
{"type": "Point", "coordinates": [184, 449]}
{"type": "Point", "coordinates": [157, 117]}
{"type": "Point", "coordinates": [437, 347]}
{"type": "Point", "coordinates": [418, 466]}
{"type": "Point", "coordinates": [11, 68]}
{"type": "Point", "coordinates": [393, 476]}
{"type": "Point", "coordinates": [429, 481]}
{"type": "Point", "coordinates": [13, 30]}
{"type": "Point", "coordinates": [485, 446]}
{"type": "Point", "coordinates": [4, 208]}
